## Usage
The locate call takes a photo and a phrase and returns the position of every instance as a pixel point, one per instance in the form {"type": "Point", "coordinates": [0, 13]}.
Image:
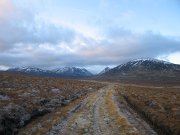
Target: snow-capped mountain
{"type": "Point", "coordinates": [31, 71]}
{"type": "Point", "coordinates": [28, 69]}
{"type": "Point", "coordinates": [143, 71]}
{"type": "Point", "coordinates": [142, 68]}
{"type": "Point", "coordinates": [104, 70]}
{"type": "Point", "coordinates": [67, 72]}
{"type": "Point", "coordinates": [147, 65]}
{"type": "Point", "coordinates": [74, 71]}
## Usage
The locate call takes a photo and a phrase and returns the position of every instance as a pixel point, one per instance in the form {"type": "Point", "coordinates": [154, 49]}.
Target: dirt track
{"type": "Point", "coordinates": [101, 114]}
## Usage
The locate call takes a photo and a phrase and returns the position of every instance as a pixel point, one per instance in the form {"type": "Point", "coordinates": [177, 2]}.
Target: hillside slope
{"type": "Point", "coordinates": [144, 70]}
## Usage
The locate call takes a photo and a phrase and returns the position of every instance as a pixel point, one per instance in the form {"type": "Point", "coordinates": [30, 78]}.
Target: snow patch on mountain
{"type": "Point", "coordinates": [64, 71]}
{"type": "Point", "coordinates": [27, 69]}
{"type": "Point", "coordinates": [138, 62]}
{"type": "Point", "coordinates": [104, 70]}
{"type": "Point", "coordinates": [73, 70]}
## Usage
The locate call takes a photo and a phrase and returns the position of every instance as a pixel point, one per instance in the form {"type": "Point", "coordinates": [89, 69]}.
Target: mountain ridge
{"type": "Point", "coordinates": [134, 68]}
{"type": "Point", "coordinates": [146, 65]}
{"type": "Point", "coordinates": [65, 72]}
{"type": "Point", "coordinates": [150, 71]}
{"type": "Point", "coordinates": [104, 70]}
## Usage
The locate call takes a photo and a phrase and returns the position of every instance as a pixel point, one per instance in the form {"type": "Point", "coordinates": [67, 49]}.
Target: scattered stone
{"type": "Point", "coordinates": [152, 103]}
{"type": "Point", "coordinates": [65, 102]}
{"type": "Point", "coordinates": [39, 125]}
{"type": "Point", "coordinates": [34, 129]}
{"type": "Point", "coordinates": [4, 97]}
{"type": "Point", "coordinates": [43, 101]}
{"type": "Point", "coordinates": [26, 94]}
{"type": "Point", "coordinates": [53, 103]}
{"type": "Point", "coordinates": [35, 91]}
{"type": "Point", "coordinates": [56, 91]}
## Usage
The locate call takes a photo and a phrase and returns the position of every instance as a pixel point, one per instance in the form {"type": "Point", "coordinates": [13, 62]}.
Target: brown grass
{"type": "Point", "coordinates": [48, 121]}
{"type": "Point", "coordinates": [159, 106]}
{"type": "Point", "coordinates": [28, 91]}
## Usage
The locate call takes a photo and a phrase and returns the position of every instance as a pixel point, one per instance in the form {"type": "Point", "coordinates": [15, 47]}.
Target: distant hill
{"type": "Point", "coordinates": [65, 72]}
{"type": "Point", "coordinates": [104, 70]}
{"type": "Point", "coordinates": [143, 70]}
{"type": "Point", "coordinates": [72, 71]}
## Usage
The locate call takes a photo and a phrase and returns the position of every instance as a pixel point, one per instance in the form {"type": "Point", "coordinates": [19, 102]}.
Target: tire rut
{"type": "Point", "coordinates": [96, 125]}
{"type": "Point", "coordinates": [93, 116]}
{"type": "Point", "coordinates": [60, 127]}
{"type": "Point", "coordinates": [133, 118]}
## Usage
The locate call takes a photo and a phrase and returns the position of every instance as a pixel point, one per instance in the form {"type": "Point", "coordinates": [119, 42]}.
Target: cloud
{"type": "Point", "coordinates": [172, 57]}
{"type": "Point", "coordinates": [125, 44]}
{"type": "Point", "coordinates": [5, 8]}
{"type": "Point", "coordinates": [21, 26]}
{"type": "Point", "coordinates": [28, 40]}
{"type": "Point", "coordinates": [2, 67]}
{"type": "Point", "coordinates": [114, 49]}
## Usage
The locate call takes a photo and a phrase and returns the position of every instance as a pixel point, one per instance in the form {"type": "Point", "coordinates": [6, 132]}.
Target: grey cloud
{"type": "Point", "coordinates": [109, 51]}
{"type": "Point", "coordinates": [27, 42]}
{"type": "Point", "coordinates": [123, 48]}
{"type": "Point", "coordinates": [11, 35]}
{"type": "Point", "coordinates": [21, 26]}
{"type": "Point", "coordinates": [127, 46]}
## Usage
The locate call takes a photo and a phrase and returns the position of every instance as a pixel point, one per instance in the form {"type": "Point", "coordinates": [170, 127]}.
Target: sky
{"type": "Point", "coordinates": [87, 33]}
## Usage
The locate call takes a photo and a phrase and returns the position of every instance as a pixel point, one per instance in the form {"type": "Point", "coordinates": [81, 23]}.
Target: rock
{"type": "Point", "coordinates": [34, 129]}
{"type": "Point", "coordinates": [24, 119]}
{"type": "Point", "coordinates": [4, 97]}
{"type": "Point", "coordinates": [35, 91]}
{"type": "Point", "coordinates": [74, 97]}
{"type": "Point", "coordinates": [39, 125]}
{"type": "Point", "coordinates": [56, 91]}
{"type": "Point", "coordinates": [151, 103]}
{"type": "Point", "coordinates": [53, 103]}
{"type": "Point", "coordinates": [43, 101]}
{"type": "Point", "coordinates": [85, 130]}
{"type": "Point", "coordinates": [65, 102]}
{"type": "Point", "coordinates": [7, 124]}
{"type": "Point", "coordinates": [39, 112]}
{"type": "Point", "coordinates": [26, 94]}
{"type": "Point", "coordinates": [13, 117]}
